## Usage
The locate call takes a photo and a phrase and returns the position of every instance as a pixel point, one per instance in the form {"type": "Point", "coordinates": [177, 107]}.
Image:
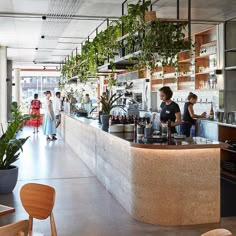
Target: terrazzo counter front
{"type": "Point", "coordinates": [167, 185]}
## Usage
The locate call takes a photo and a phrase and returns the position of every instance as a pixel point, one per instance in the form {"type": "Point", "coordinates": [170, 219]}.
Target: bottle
{"type": "Point", "coordinates": [169, 131]}
{"type": "Point", "coordinates": [135, 129]}
{"type": "Point", "coordinates": [211, 114]}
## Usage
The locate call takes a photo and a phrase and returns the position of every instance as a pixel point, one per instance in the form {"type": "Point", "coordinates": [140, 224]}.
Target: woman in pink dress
{"type": "Point", "coordinates": [35, 106]}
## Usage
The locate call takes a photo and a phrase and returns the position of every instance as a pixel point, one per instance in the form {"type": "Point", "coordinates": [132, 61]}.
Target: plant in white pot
{"type": "Point", "coordinates": [107, 106]}
{"type": "Point", "coordinates": [10, 148]}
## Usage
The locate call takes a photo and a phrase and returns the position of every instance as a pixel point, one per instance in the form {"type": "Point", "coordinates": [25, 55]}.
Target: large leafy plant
{"type": "Point", "coordinates": [109, 104]}
{"type": "Point", "coordinates": [10, 145]}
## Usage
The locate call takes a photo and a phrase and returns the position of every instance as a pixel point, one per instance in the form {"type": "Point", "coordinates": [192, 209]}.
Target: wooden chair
{"type": "Point", "coordinates": [38, 201]}
{"type": "Point", "coordinates": [19, 228]}
{"type": "Point", "coordinates": [218, 232]}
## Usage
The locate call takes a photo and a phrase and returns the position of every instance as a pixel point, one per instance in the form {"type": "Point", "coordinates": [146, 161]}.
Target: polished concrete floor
{"type": "Point", "coordinates": [83, 206]}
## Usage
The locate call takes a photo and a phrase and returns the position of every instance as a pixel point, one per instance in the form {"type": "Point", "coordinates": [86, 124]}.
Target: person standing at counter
{"type": "Point", "coordinates": [169, 109]}
{"type": "Point", "coordinates": [189, 115]}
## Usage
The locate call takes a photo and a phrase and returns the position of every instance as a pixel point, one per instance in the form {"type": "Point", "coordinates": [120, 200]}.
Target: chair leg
{"type": "Point", "coordinates": [53, 225]}
{"type": "Point", "coordinates": [30, 225]}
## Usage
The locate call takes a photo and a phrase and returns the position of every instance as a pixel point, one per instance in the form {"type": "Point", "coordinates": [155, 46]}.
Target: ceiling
{"type": "Point", "coordinates": [69, 22]}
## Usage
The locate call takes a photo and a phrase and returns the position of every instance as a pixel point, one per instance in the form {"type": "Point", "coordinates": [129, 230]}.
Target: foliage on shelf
{"type": "Point", "coordinates": [158, 43]}
{"type": "Point", "coordinates": [111, 82]}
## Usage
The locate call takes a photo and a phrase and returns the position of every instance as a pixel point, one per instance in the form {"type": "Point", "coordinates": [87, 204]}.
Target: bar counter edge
{"type": "Point", "coordinates": [169, 187]}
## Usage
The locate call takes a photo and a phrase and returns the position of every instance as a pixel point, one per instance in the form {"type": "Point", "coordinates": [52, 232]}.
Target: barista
{"type": "Point", "coordinates": [169, 109]}
{"type": "Point", "coordinates": [189, 115]}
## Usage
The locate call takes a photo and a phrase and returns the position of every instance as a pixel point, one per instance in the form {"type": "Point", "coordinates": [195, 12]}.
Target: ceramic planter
{"type": "Point", "coordinates": [8, 179]}
{"type": "Point", "coordinates": [105, 122]}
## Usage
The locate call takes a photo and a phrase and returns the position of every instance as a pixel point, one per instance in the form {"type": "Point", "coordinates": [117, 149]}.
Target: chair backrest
{"type": "Point", "coordinates": [38, 200]}
{"type": "Point", "coordinates": [218, 232]}
{"type": "Point", "coordinates": [19, 228]}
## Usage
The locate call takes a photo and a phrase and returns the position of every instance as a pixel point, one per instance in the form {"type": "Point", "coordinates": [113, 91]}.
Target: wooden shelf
{"type": "Point", "coordinates": [228, 150]}
{"type": "Point", "coordinates": [204, 72]}
{"type": "Point", "coordinates": [186, 60]}
{"type": "Point", "coordinates": [230, 68]}
{"type": "Point", "coordinates": [227, 173]}
{"type": "Point", "coordinates": [204, 56]}
{"type": "Point", "coordinates": [184, 76]}
{"type": "Point", "coordinates": [231, 50]}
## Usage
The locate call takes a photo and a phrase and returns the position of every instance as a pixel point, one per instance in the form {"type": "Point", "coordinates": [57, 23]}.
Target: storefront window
{"type": "Point", "coordinates": [36, 84]}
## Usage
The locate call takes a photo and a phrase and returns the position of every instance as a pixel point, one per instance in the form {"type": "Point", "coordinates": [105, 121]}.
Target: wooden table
{"type": "Point", "coordinates": [6, 210]}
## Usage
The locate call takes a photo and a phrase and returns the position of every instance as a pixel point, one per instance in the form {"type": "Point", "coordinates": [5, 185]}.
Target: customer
{"type": "Point", "coordinates": [57, 105]}
{"type": "Point", "coordinates": [169, 109]}
{"type": "Point", "coordinates": [87, 99]}
{"type": "Point", "coordinates": [49, 121]}
{"type": "Point", "coordinates": [35, 106]}
{"type": "Point", "coordinates": [189, 115]}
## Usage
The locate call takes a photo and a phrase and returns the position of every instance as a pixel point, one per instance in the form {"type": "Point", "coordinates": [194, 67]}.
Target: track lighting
{"type": "Point", "coordinates": [34, 62]}
{"type": "Point", "coordinates": [36, 49]}
{"type": "Point", "coordinates": [44, 17]}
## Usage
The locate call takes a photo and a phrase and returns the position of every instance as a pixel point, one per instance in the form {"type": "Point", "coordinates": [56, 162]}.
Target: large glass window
{"type": "Point", "coordinates": [31, 84]}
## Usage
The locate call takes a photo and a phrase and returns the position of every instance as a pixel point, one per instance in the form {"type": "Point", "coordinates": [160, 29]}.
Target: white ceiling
{"type": "Point", "coordinates": [66, 26]}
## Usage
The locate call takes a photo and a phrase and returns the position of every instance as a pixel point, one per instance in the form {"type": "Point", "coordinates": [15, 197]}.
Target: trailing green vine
{"type": "Point", "coordinates": [158, 43]}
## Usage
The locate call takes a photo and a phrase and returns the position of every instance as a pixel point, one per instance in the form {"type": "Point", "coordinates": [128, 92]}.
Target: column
{"type": "Point", "coordinates": [9, 88]}
{"type": "Point", "coordinates": [3, 86]}
{"type": "Point", "coordinates": [17, 87]}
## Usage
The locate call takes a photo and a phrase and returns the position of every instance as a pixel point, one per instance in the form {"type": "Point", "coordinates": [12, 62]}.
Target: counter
{"type": "Point", "coordinates": [160, 184]}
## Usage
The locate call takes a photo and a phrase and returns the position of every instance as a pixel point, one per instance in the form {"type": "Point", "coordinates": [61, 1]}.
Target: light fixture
{"type": "Point", "coordinates": [42, 36]}
{"type": "Point", "coordinates": [34, 61]}
{"type": "Point", "coordinates": [44, 68]}
{"type": "Point", "coordinates": [44, 17]}
{"type": "Point", "coordinates": [36, 49]}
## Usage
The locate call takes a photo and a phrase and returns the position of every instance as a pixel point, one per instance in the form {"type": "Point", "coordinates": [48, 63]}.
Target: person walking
{"type": "Point", "coordinates": [49, 121]}
{"type": "Point", "coordinates": [189, 115]}
{"type": "Point", "coordinates": [35, 106]}
{"type": "Point", "coordinates": [57, 105]}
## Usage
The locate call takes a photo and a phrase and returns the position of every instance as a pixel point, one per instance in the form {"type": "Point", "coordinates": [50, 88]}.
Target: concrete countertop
{"type": "Point", "coordinates": [188, 143]}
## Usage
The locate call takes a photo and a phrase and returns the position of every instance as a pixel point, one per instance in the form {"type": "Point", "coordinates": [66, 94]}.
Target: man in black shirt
{"type": "Point", "coordinates": [169, 109]}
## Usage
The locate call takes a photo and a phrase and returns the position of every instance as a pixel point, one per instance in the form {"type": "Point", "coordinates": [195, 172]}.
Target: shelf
{"type": "Point", "coordinates": [227, 173]}
{"type": "Point", "coordinates": [185, 76]}
{"type": "Point", "coordinates": [210, 44]}
{"type": "Point", "coordinates": [230, 68]}
{"type": "Point", "coordinates": [205, 72]}
{"type": "Point", "coordinates": [185, 61]}
{"type": "Point", "coordinates": [214, 90]}
{"type": "Point", "coordinates": [204, 56]}
{"type": "Point", "coordinates": [228, 150]}
{"type": "Point", "coordinates": [231, 50]}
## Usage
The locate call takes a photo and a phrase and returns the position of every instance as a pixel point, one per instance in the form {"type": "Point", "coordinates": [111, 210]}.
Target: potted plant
{"type": "Point", "coordinates": [107, 106]}
{"type": "Point", "coordinates": [10, 148]}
